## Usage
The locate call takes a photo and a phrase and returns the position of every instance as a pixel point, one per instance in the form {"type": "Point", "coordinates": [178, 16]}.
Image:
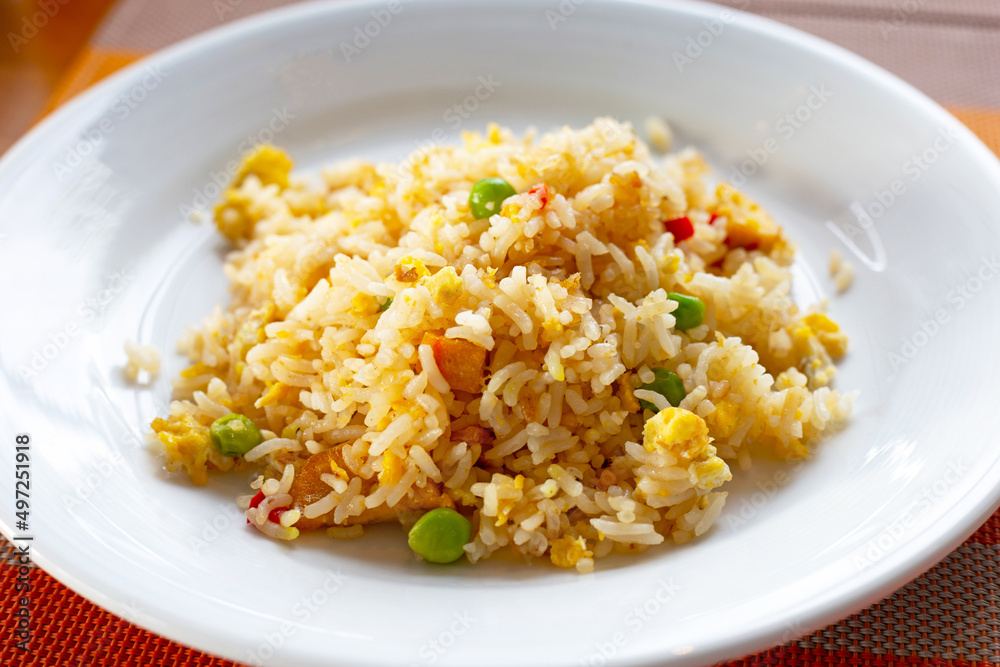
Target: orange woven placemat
{"type": "Point", "coordinates": [947, 616]}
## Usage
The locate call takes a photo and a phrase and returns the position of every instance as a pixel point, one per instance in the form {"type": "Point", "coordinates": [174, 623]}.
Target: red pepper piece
{"type": "Point", "coordinates": [256, 500]}
{"type": "Point", "coordinates": [542, 191]}
{"type": "Point", "coordinates": [274, 515]}
{"type": "Point", "coordinates": [681, 228]}
{"type": "Point", "coordinates": [715, 216]}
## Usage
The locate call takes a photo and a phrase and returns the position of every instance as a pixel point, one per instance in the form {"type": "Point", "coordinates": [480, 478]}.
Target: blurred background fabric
{"type": "Point", "coordinates": [949, 49]}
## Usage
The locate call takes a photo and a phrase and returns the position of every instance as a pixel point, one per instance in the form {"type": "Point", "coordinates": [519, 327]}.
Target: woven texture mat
{"type": "Point", "coordinates": [950, 49]}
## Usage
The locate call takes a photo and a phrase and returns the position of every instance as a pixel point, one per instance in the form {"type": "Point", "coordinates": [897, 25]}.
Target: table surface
{"type": "Point", "coordinates": [949, 49]}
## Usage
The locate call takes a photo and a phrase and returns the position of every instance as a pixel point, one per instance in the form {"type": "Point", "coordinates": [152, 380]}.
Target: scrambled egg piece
{"type": "Point", "coordinates": [828, 333]}
{"type": "Point", "coordinates": [490, 279]}
{"type": "Point", "coordinates": [234, 217]}
{"type": "Point", "coordinates": [251, 331]}
{"type": "Point", "coordinates": [507, 501]}
{"type": "Point", "coordinates": [271, 165]}
{"type": "Point", "coordinates": [567, 551]}
{"type": "Point", "coordinates": [723, 420]}
{"type": "Point", "coordinates": [392, 469]}
{"type": "Point", "coordinates": [749, 226]}
{"type": "Point", "coordinates": [475, 141]}
{"type": "Point", "coordinates": [628, 188]}
{"type": "Point", "coordinates": [685, 435]}
{"type": "Point", "coordinates": [274, 394]}
{"type": "Point", "coordinates": [710, 473]}
{"type": "Point", "coordinates": [186, 441]}
{"type": "Point", "coordinates": [509, 494]}
{"type": "Point", "coordinates": [809, 344]}
{"type": "Point", "coordinates": [363, 304]}
{"type": "Point", "coordinates": [670, 263]}
{"type": "Point", "coordinates": [493, 133]}
{"type": "Point", "coordinates": [445, 285]}
{"type": "Point", "coordinates": [339, 472]}
{"type": "Point", "coordinates": [233, 214]}
{"type": "Point", "coordinates": [626, 394]}
{"type": "Point", "coordinates": [677, 431]}
{"type": "Point", "coordinates": [195, 370]}
{"type": "Point", "coordinates": [410, 270]}
{"type": "Point", "coordinates": [816, 341]}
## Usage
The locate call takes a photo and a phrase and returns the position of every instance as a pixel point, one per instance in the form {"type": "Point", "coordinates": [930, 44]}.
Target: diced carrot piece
{"type": "Point", "coordinates": [462, 363]}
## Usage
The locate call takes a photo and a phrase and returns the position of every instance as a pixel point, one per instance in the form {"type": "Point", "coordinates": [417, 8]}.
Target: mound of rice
{"type": "Point", "coordinates": [400, 355]}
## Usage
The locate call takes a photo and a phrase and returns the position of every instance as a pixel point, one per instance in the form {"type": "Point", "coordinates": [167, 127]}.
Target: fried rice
{"type": "Point", "coordinates": [400, 355]}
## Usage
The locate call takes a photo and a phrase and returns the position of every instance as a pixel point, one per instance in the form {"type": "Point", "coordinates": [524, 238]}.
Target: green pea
{"type": "Point", "coordinates": [690, 311]}
{"type": "Point", "coordinates": [668, 385]}
{"type": "Point", "coordinates": [234, 435]}
{"type": "Point", "coordinates": [439, 535]}
{"type": "Point", "coordinates": [385, 305]}
{"type": "Point", "coordinates": [487, 196]}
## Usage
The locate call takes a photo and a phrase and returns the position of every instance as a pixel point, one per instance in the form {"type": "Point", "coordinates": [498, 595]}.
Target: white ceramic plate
{"type": "Point", "coordinates": [95, 249]}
